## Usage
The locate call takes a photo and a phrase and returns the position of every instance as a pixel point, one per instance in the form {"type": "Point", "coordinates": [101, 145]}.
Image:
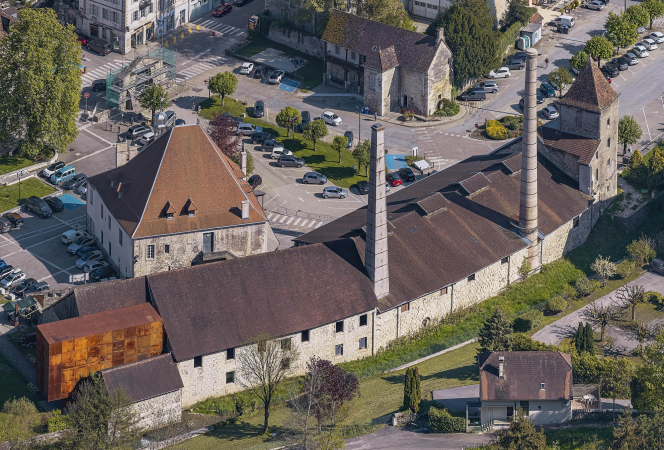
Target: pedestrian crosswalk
{"type": "Point", "coordinates": [216, 25]}
{"type": "Point", "coordinates": [292, 221]}
{"type": "Point", "coordinates": [201, 67]}
{"type": "Point", "coordinates": [101, 72]}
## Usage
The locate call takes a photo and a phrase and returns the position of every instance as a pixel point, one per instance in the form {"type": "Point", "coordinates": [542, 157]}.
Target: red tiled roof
{"type": "Point", "coordinates": [590, 91]}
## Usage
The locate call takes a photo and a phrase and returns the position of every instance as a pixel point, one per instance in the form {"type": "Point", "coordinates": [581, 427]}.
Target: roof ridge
{"type": "Point", "coordinates": [137, 363]}
{"type": "Point", "coordinates": [333, 10]}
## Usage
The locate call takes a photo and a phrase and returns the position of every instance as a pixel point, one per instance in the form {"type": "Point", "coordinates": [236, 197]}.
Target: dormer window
{"type": "Point", "coordinates": [192, 213]}
{"type": "Point", "coordinates": [191, 208]}
{"type": "Point", "coordinates": [170, 211]}
{"type": "Point", "coordinates": [170, 216]}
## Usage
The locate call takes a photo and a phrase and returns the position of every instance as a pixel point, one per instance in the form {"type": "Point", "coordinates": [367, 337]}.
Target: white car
{"type": "Point", "coordinates": [640, 51]}
{"type": "Point", "coordinates": [69, 237]}
{"type": "Point", "coordinates": [92, 265]}
{"type": "Point", "coordinates": [648, 44]}
{"type": "Point", "coordinates": [13, 279]}
{"type": "Point", "coordinates": [94, 255]}
{"type": "Point", "coordinates": [331, 118]}
{"type": "Point", "coordinates": [503, 72]}
{"type": "Point", "coordinates": [657, 36]}
{"type": "Point", "coordinates": [246, 68]}
{"type": "Point", "coordinates": [278, 151]}
{"type": "Point", "coordinates": [596, 5]}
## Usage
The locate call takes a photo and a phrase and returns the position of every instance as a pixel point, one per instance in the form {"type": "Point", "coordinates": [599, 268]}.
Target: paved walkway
{"type": "Point", "coordinates": [396, 438]}
{"type": "Point", "coordinates": [433, 355]}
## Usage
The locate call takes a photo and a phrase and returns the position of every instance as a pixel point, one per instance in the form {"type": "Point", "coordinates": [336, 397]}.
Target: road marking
{"type": "Point", "coordinates": [319, 224]}
{"type": "Point", "coordinates": [99, 137]}
{"type": "Point", "coordinates": [290, 220]}
{"type": "Point", "coordinates": [91, 154]}
{"type": "Point", "coordinates": [269, 216]}
{"type": "Point", "coordinates": [300, 199]}
{"type": "Point", "coordinates": [297, 221]}
{"type": "Point", "coordinates": [206, 23]}
{"type": "Point", "coordinates": [283, 218]}
{"type": "Point", "coordinates": [646, 118]}
{"type": "Point", "coordinates": [52, 275]}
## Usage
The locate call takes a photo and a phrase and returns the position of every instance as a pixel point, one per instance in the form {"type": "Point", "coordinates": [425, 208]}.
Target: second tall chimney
{"type": "Point", "coordinates": [375, 258]}
{"type": "Point", "coordinates": [528, 225]}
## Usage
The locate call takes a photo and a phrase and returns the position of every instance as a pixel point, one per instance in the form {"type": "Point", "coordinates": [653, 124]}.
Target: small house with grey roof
{"type": "Point", "coordinates": [393, 68]}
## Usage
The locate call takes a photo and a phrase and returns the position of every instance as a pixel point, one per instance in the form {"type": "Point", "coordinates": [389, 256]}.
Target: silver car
{"type": "Point", "coordinates": [333, 191]}
{"type": "Point", "coordinates": [488, 86]}
{"type": "Point", "coordinates": [550, 112]}
{"type": "Point", "coordinates": [89, 256]}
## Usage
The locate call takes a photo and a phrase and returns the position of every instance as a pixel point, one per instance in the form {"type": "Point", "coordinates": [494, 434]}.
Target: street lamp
{"type": "Point", "coordinates": [19, 174]}
{"type": "Point", "coordinates": [359, 125]}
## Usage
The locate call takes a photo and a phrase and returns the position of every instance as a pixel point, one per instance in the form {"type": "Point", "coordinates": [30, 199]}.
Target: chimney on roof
{"type": "Point", "coordinates": [243, 162]}
{"type": "Point", "coordinates": [376, 242]}
{"type": "Point", "coordinates": [245, 209]}
{"type": "Point", "coordinates": [528, 225]}
{"type": "Point", "coordinates": [440, 36]}
{"type": "Point", "coordinates": [501, 367]}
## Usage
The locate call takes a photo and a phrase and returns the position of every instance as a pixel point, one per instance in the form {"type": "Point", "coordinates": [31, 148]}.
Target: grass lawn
{"type": "Point", "coordinates": [31, 186]}
{"type": "Point", "coordinates": [645, 312]}
{"type": "Point", "coordinates": [573, 438]}
{"type": "Point", "coordinates": [12, 384]}
{"type": "Point", "coordinates": [312, 72]}
{"type": "Point", "coordinates": [324, 160]}
{"type": "Point", "coordinates": [15, 338]}
{"type": "Point", "coordinates": [11, 163]}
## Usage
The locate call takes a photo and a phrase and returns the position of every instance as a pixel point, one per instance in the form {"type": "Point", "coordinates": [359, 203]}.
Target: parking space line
{"type": "Point", "coordinates": [57, 273]}
{"type": "Point", "coordinates": [46, 261]}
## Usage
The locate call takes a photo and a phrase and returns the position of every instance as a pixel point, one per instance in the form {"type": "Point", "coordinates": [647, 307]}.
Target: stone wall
{"type": "Point", "coordinates": [440, 79]}
{"type": "Point", "coordinates": [570, 235]}
{"type": "Point", "coordinates": [297, 40]}
{"type": "Point", "coordinates": [566, 162]}
{"type": "Point", "coordinates": [413, 85]}
{"type": "Point", "coordinates": [390, 84]}
{"type": "Point", "coordinates": [159, 411]}
{"type": "Point", "coordinates": [373, 95]}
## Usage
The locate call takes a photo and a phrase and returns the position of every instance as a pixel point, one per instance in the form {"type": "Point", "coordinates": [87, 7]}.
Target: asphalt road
{"type": "Point", "coordinates": [395, 438]}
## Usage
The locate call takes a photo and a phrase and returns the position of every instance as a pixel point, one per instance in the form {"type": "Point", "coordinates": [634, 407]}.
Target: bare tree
{"type": "Point", "coordinates": [262, 366]}
{"type": "Point", "coordinates": [600, 316]}
{"type": "Point", "coordinates": [304, 404]}
{"type": "Point", "coordinates": [630, 296]}
{"type": "Point", "coordinates": [640, 332]}
{"type": "Point", "coordinates": [604, 268]}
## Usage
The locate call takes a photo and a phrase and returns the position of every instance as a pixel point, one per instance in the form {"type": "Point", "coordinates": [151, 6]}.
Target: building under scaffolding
{"type": "Point", "coordinates": [125, 84]}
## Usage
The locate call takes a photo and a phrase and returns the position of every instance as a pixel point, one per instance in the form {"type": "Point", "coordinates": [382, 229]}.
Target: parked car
{"type": "Point", "coordinates": [363, 187]}
{"type": "Point", "coordinates": [62, 175]}
{"type": "Point", "coordinates": [547, 90]}
{"type": "Point", "coordinates": [596, 5]}
{"type": "Point", "coordinates": [516, 64]}
{"type": "Point", "coordinates": [5, 225]}
{"type": "Point", "coordinates": [260, 136]}
{"type": "Point", "coordinates": [55, 204]}
{"type": "Point", "coordinates": [331, 118]}
{"type": "Point", "coordinates": [12, 279]}
{"type": "Point", "coordinates": [649, 44]}
{"type": "Point", "coordinates": [240, 2]}
{"type": "Point", "coordinates": [393, 179]}
{"type": "Point", "coordinates": [100, 46]}
{"type": "Point", "coordinates": [80, 242]}
{"type": "Point", "coordinates": [222, 10]}
{"type": "Point", "coordinates": [246, 68]}
{"type": "Point", "coordinates": [50, 170]}
{"type": "Point", "coordinates": [102, 272]}
{"type": "Point", "coordinates": [6, 270]}
{"type": "Point", "coordinates": [314, 178]}
{"type": "Point", "coordinates": [550, 112]}
{"type": "Point", "coordinates": [247, 129]}
{"type": "Point", "coordinates": [640, 51]}
{"type": "Point", "coordinates": [232, 117]}
{"type": "Point", "coordinates": [631, 58]}
{"type": "Point", "coordinates": [259, 109]}
{"type": "Point", "coordinates": [575, 72]}
{"type": "Point", "coordinates": [260, 72]}
{"type": "Point", "coordinates": [145, 140]}
{"type": "Point", "coordinates": [620, 63]}
{"type": "Point", "coordinates": [19, 290]}
{"type": "Point", "coordinates": [82, 39]}
{"type": "Point", "coordinates": [75, 181]}
{"type": "Point", "coordinates": [37, 287]}
{"type": "Point", "coordinates": [87, 248]}
{"type": "Point", "coordinates": [15, 219]}
{"type": "Point", "coordinates": [488, 86]}
{"type": "Point", "coordinates": [269, 144]}
{"type": "Point", "coordinates": [657, 265]}
{"type": "Point", "coordinates": [539, 96]}
{"type": "Point", "coordinates": [406, 173]}
{"type": "Point", "coordinates": [503, 72]}
{"type": "Point", "coordinates": [179, 122]}
{"type": "Point", "coordinates": [640, 30]}
{"type": "Point", "coordinates": [89, 256]}
{"type": "Point", "coordinates": [81, 189]}
{"type": "Point", "coordinates": [276, 76]}
{"type": "Point", "coordinates": [98, 85]}
{"type": "Point", "coordinates": [39, 207]}
{"type": "Point", "coordinates": [473, 95]}
{"type": "Point", "coordinates": [657, 36]}
{"type": "Point", "coordinates": [254, 181]}
{"type": "Point", "coordinates": [92, 265]}
{"type": "Point", "coordinates": [70, 236]}
{"type": "Point", "coordinates": [564, 20]}
{"type": "Point", "coordinates": [611, 70]}
{"type": "Point", "coordinates": [137, 131]}
{"type": "Point", "coordinates": [290, 161]}
{"type": "Point", "coordinates": [349, 137]}
{"type": "Point", "coordinates": [170, 118]}
{"type": "Point", "coordinates": [2, 263]}
{"type": "Point", "coordinates": [333, 191]}
{"type": "Point", "coordinates": [277, 152]}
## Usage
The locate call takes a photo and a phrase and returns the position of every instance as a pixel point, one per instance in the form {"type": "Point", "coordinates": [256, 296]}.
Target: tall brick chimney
{"type": "Point", "coordinates": [376, 245]}
{"type": "Point", "coordinates": [528, 225]}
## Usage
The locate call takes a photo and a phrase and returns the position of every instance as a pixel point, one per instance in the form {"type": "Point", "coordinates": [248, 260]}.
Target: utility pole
{"type": "Point", "coordinates": [19, 174]}
{"type": "Point", "coordinates": [359, 125]}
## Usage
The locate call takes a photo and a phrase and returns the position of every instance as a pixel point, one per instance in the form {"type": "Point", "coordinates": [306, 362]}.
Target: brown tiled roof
{"type": "Point", "coordinates": [216, 306]}
{"type": "Point", "coordinates": [145, 379]}
{"type": "Point", "coordinates": [475, 183]}
{"type": "Point", "coordinates": [536, 18]}
{"type": "Point", "coordinates": [524, 371]}
{"type": "Point", "coordinates": [372, 39]}
{"type": "Point", "coordinates": [433, 203]}
{"type": "Point", "coordinates": [590, 91]}
{"type": "Point", "coordinates": [181, 165]}
{"type": "Point", "coordinates": [513, 163]}
{"type": "Point", "coordinates": [582, 147]}
{"type": "Point", "coordinates": [102, 322]}
{"type": "Point", "coordinates": [98, 297]}
{"type": "Point", "coordinates": [6, 19]}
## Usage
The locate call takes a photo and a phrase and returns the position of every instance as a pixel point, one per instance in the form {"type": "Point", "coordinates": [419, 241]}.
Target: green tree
{"type": "Point", "coordinates": [629, 132]}
{"type": "Point", "coordinates": [339, 144]}
{"type": "Point", "coordinates": [637, 167]}
{"type": "Point", "coordinates": [517, 11]}
{"type": "Point", "coordinates": [604, 268]}
{"type": "Point", "coordinates": [418, 385]}
{"type": "Point", "coordinates": [153, 97]}
{"type": "Point", "coordinates": [655, 9]}
{"type": "Point", "coordinates": [579, 60]}
{"type": "Point", "coordinates": [648, 384]}
{"type": "Point", "coordinates": [362, 155]}
{"type": "Point", "coordinates": [561, 77]}
{"type": "Point", "coordinates": [621, 30]}
{"type": "Point", "coordinates": [638, 15]}
{"type": "Point", "coordinates": [18, 424]}
{"type": "Point", "coordinates": [580, 338]}
{"type": "Point", "coordinates": [630, 296]}
{"type": "Point", "coordinates": [626, 433]}
{"type": "Point", "coordinates": [289, 118]}
{"type": "Point", "coordinates": [237, 159]}
{"type": "Point", "coordinates": [656, 169]}
{"type": "Point", "coordinates": [642, 251]}
{"type": "Point", "coordinates": [600, 48]}
{"type": "Point", "coordinates": [390, 12]}
{"type": "Point", "coordinates": [590, 339]}
{"type": "Point", "coordinates": [411, 400]}
{"type": "Point", "coordinates": [315, 130]}
{"type": "Point", "coordinates": [601, 316]}
{"type": "Point", "coordinates": [223, 84]}
{"type": "Point", "coordinates": [521, 434]}
{"type": "Point", "coordinates": [481, 10]}
{"type": "Point", "coordinates": [495, 335]}
{"type": "Point", "coordinates": [40, 83]}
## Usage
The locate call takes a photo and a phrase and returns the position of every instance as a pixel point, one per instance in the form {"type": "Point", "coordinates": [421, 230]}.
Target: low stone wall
{"type": "Point", "coordinates": [10, 178]}
{"type": "Point", "coordinates": [297, 40]}
{"type": "Point", "coordinates": [641, 213]}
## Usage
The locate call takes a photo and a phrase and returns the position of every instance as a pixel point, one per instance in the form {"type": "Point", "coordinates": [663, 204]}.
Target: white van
{"type": "Point", "coordinates": [278, 151]}
{"type": "Point", "coordinates": [68, 237]}
{"type": "Point", "coordinates": [564, 20]}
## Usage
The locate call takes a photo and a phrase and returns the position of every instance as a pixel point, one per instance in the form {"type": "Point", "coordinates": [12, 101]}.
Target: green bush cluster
{"type": "Point", "coordinates": [495, 130]}
{"type": "Point", "coordinates": [654, 297]}
{"type": "Point", "coordinates": [447, 108]}
{"type": "Point", "coordinates": [624, 268]}
{"type": "Point", "coordinates": [508, 38]}
{"type": "Point", "coordinates": [527, 321]}
{"type": "Point", "coordinates": [512, 122]}
{"type": "Point", "coordinates": [441, 421]}
{"type": "Point", "coordinates": [410, 159]}
{"type": "Point", "coordinates": [585, 286]}
{"type": "Point", "coordinates": [57, 421]}
{"type": "Point", "coordinates": [555, 305]}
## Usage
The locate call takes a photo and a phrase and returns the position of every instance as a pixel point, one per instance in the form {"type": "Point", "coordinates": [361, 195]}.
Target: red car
{"type": "Point", "coordinates": [223, 9]}
{"type": "Point", "coordinates": [83, 40]}
{"type": "Point", "coordinates": [393, 179]}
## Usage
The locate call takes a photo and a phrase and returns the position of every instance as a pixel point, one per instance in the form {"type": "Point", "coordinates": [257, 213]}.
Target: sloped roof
{"type": "Point", "coordinates": [590, 90]}
{"type": "Point", "coordinates": [582, 147]}
{"type": "Point", "coordinates": [536, 18]}
{"type": "Point", "coordinates": [180, 165]}
{"type": "Point", "coordinates": [145, 379]}
{"type": "Point", "coordinates": [524, 372]}
{"type": "Point", "coordinates": [384, 46]}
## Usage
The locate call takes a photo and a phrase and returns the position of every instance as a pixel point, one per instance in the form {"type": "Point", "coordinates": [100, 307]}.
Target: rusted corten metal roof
{"type": "Point", "coordinates": [582, 147]}
{"type": "Point", "coordinates": [183, 166]}
{"type": "Point", "coordinates": [590, 90]}
{"type": "Point", "coordinates": [142, 380]}
{"type": "Point", "coordinates": [523, 374]}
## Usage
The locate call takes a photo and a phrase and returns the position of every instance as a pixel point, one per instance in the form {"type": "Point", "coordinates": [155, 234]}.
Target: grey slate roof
{"type": "Point", "coordinates": [145, 379]}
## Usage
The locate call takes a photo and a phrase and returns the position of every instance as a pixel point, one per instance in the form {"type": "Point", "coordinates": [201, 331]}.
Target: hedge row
{"type": "Point", "coordinates": [441, 421]}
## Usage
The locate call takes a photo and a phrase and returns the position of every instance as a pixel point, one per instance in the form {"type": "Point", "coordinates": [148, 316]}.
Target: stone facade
{"type": "Point", "coordinates": [570, 235]}
{"type": "Point", "coordinates": [159, 411]}
{"type": "Point", "coordinates": [297, 40]}
{"type": "Point", "coordinates": [440, 79]}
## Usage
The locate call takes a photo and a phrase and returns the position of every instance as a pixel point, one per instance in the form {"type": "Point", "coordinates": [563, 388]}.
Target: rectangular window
{"type": "Point", "coordinates": [575, 222]}
{"type": "Point", "coordinates": [102, 212]}
{"type": "Point", "coordinates": [542, 386]}
{"type": "Point", "coordinates": [104, 13]}
{"type": "Point", "coordinates": [114, 16]}
{"type": "Point", "coordinates": [353, 55]}
{"type": "Point", "coordinates": [120, 236]}
{"type": "Point", "coordinates": [608, 122]}
{"type": "Point", "coordinates": [230, 353]}
{"type": "Point", "coordinates": [608, 143]}
{"type": "Point", "coordinates": [337, 50]}
{"type": "Point", "coordinates": [102, 238]}
{"type": "Point", "coordinates": [373, 84]}
{"type": "Point", "coordinates": [167, 248]}
{"type": "Point", "coordinates": [134, 16]}
{"type": "Point", "coordinates": [110, 253]}
{"type": "Point", "coordinates": [596, 174]}
{"type": "Point", "coordinates": [230, 377]}
{"type": "Point", "coordinates": [208, 242]}
{"type": "Point", "coordinates": [339, 350]}
{"type": "Point", "coordinates": [363, 320]}
{"type": "Point", "coordinates": [471, 278]}
{"type": "Point", "coordinates": [405, 307]}
{"type": "Point", "coordinates": [286, 344]}
{"type": "Point", "coordinates": [285, 363]}
{"type": "Point", "coordinates": [150, 253]}
{"type": "Point", "coordinates": [525, 406]}
{"type": "Point", "coordinates": [109, 221]}
{"type": "Point", "coordinates": [198, 361]}
{"type": "Point", "coordinates": [363, 343]}
{"type": "Point", "coordinates": [339, 327]}
{"type": "Point", "coordinates": [608, 164]}
{"type": "Point", "coordinates": [443, 291]}
{"type": "Point", "coordinates": [305, 336]}
{"type": "Point", "coordinates": [142, 12]}
{"type": "Point", "coordinates": [505, 260]}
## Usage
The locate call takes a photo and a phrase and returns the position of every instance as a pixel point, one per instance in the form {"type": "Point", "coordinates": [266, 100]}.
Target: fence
{"type": "Point", "coordinates": [303, 214]}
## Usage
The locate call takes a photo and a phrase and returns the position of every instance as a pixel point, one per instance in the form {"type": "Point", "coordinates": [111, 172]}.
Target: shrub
{"type": "Point", "coordinates": [585, 286]}
{"type": "Point", "coordinates": [495, 130]}
{"type": "Point", "coordinates": [527, 321]}
{"type": "Point", "coordinates": [447, 108]}
{"type": "Point", "coordinates": [524, 343]}
{"type": "Point", "coordinates": [441, 421]}
{"type": "Point", "coordinates": [654, 297]}
{"type": "Point", "coordinates": [624, 268]}
{"type": "Point", "coordinates": [57, 421]}
{"type": "Point", "coordinates": [511, 122]}
{"type": "Point", "coordinates": [410, 159]}
{"type": "Point", "coordinates": [555, 305]}
{"type": "Point", "coordinates": [568, 293]}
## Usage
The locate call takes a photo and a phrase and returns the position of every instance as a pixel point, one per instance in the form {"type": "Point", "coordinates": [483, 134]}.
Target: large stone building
{"type": "Point", "coordinates": [393, 68]}
{"type": "Point", "coordinates": [178, 202]}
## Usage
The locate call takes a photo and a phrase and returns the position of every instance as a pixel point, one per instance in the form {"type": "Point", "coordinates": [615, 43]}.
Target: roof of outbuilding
{"type": "Point", "coordinates": [384, 46]}
{"type": "Point", "coordinates": [523, 374]}
{"type": "Point", "coordinates": [590, 90]}
{"type": "Point", "coordinates": [536, 18]}
{"type": "Point", "coordinates": [145, 379]}
{"type": "Point", "coordinates": [181, 166]}
{"type": "Point", "coordinates": [98, 297]}
{"type": "Point", "coordinates": [581, 146]}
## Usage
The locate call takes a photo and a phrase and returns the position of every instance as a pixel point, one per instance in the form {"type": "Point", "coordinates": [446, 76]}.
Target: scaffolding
{"type": "Point", "coordinates": [125, 84]}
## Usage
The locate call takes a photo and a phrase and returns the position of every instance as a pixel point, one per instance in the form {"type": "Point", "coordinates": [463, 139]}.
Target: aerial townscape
{"type": "Point", "coordinates": [318, 225]}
